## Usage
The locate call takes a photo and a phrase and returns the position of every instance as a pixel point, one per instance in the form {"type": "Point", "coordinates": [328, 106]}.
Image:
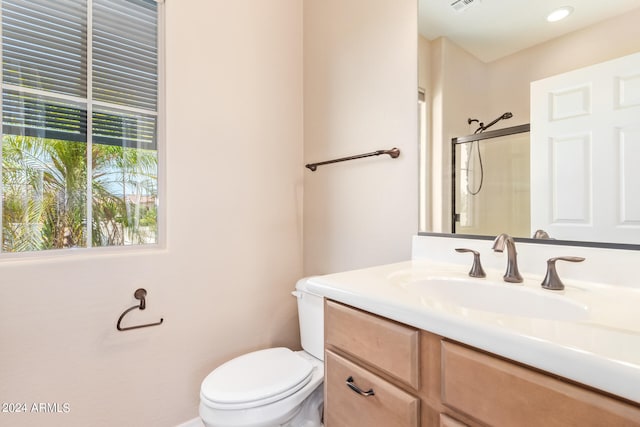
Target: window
{"type": "Point", "coordinates": [79, 123]}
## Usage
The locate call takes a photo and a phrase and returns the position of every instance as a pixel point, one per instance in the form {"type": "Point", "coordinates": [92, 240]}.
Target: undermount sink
{"type": "Point", "coordinates": [501, 298]}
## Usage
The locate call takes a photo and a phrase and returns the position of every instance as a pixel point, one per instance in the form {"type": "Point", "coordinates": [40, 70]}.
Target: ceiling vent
{"type": "Point", "coordinates": [462, 5]}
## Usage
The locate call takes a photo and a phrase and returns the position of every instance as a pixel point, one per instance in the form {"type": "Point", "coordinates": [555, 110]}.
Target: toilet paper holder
{"type": "Point", "coordinates": [139, 294]}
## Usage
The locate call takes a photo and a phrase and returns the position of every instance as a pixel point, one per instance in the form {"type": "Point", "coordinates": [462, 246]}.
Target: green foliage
{"type": "Point", "coordinates": [45, 188]}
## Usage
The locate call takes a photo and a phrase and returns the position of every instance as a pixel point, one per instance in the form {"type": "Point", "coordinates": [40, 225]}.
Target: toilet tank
{"type": "Point", "coordinates": [311, 318]}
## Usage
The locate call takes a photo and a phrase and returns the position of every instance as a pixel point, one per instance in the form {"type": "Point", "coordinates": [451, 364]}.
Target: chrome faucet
{"type": "Point", "coordinates": [512, 274]}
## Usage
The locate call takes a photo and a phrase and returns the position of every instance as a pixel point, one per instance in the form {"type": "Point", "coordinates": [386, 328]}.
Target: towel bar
{"type": "Point", "coordinates": [394, 153]}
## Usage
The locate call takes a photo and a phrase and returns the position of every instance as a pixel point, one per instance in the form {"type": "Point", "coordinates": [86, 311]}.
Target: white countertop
{"type": "Point", "coordinates": [602, 351]}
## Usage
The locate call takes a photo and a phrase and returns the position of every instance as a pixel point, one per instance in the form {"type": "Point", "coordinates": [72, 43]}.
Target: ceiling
{"type": "Point", "coordinates": [491, 29]}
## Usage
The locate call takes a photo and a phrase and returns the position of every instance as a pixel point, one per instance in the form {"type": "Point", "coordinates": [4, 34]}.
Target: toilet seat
{"type": "Point", "coordinates": [256, 379]}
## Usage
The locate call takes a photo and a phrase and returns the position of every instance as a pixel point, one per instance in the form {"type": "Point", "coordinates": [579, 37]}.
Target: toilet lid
{"type": "Point", "coordinates": [256, 379]}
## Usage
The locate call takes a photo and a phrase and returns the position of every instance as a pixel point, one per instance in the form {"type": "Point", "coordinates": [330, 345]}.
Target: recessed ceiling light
{"type": "Point", "coordinates": [559, 14]}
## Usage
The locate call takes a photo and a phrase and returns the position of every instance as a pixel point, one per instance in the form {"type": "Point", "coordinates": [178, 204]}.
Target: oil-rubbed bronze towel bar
{"type": "Point", "coordinates": [139, 294]}
{"type": "Point", "coordinates": [394, 152]}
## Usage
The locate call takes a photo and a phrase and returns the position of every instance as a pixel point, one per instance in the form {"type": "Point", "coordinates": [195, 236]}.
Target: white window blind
{"type": "Point", "coordinates": [47, 89]}
{"type": "Point", "coordinates": [44, 67]}
{"type": "Point", "coordinates": [125, 59]}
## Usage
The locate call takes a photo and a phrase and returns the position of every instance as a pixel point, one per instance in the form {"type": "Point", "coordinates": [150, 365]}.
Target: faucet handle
{"type": "Point", "coordinates": [541, 234]}
{"type": "Point", "coordinates": [551, 279]}
{"type": "Point", "coordinates": [476, 267]}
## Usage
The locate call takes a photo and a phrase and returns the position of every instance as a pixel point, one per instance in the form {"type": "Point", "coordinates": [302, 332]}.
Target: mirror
{"type": "Point", "coordinates": [477, 60]}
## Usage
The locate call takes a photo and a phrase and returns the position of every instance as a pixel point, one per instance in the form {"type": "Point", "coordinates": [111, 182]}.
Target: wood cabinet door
{"type": "Point", "coordinates": [386, 406]}
{"type": "Point", "coordinates": [501, 393]}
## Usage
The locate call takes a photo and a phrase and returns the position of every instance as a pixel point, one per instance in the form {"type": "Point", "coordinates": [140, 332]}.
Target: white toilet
{"type": "Point", "coordinates": [273, 387]}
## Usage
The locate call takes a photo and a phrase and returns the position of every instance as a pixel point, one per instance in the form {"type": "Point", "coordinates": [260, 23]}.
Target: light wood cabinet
{"type": "Point", "coordinates": [422, 379]}
{"type": "Point", "coordinates": [380, 404]}
{"type": "Point", "coordinates": [501, 393]}
{"type": "Point", "coordinates": [371, 370]}
{"type": "Point", "coordinates": [388, 346]}
{"type": "Point", "coordinates": [447, 421]}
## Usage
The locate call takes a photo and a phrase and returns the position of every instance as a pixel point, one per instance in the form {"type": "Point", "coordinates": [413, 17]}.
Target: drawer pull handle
{"type": "Point", "coordinates": [357, 389]}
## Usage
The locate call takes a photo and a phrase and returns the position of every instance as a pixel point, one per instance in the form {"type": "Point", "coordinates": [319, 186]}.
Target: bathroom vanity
{"type": "Point", "coordinates": [404, 376]}
{"type": "Point", "coordinates": [421, 344]}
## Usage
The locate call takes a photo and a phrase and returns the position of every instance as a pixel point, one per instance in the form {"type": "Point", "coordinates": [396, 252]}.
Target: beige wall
{"type": "Point", "coordinates": [360, 95]}
{"type": "Point", "coordinates": [459, 92]}
{"type": "Point", "coordinates": [233, 177]}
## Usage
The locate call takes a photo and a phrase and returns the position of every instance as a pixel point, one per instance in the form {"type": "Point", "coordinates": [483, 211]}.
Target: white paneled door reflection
{"type": "Point", "coordinates": [585, 153]}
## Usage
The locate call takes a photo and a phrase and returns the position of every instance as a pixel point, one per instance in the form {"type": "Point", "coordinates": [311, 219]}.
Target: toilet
{"type": "Point", "coordinates": [272, 387]}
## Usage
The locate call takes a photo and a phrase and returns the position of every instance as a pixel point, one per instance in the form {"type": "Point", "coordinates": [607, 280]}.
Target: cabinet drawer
{"type": "Point", "coordinates": [499, 393]}
{"type": "Point", "coordinates": [387, 345]}
{"type": "Point", "coordinates": [344, 407]}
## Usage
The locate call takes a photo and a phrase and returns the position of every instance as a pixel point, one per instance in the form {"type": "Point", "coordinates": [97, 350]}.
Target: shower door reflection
{"type": "Point", "coordinates": [490, 185]}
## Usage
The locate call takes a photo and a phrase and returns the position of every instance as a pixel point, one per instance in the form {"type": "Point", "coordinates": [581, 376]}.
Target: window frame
{"type": "Point", "coordinates": [160, 147]}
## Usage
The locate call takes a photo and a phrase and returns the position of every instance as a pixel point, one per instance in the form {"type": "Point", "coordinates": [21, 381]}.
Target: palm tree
{"type": "Point", "coordinates": [124, 185]}
{"type": "Point", "coordinates": [45, 194]}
